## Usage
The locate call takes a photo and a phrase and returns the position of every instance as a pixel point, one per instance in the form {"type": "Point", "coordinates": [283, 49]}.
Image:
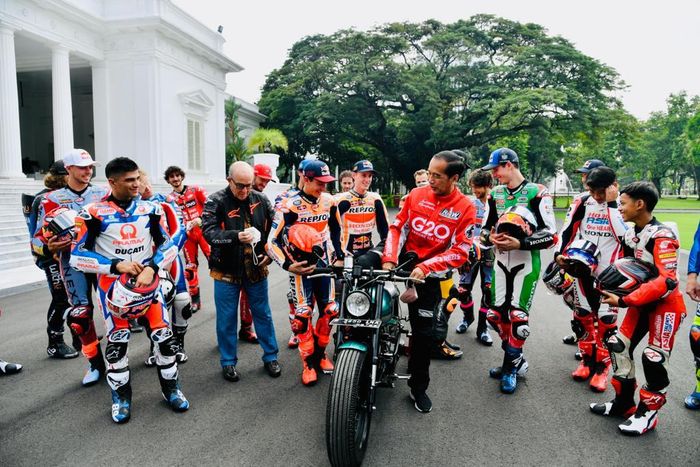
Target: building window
{"type": "Point", "coordinates": [194, 144]}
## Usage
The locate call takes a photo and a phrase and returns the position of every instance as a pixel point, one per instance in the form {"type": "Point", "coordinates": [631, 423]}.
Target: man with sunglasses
{"type": "Point", "coordinates": [235, 220]}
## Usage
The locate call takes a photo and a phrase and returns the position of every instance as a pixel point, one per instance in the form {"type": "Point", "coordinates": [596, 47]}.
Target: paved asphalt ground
{"type": "Point", "coordinates": [47, 418]}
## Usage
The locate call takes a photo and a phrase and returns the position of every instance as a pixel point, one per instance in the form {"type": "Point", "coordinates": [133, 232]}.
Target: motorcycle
{"type": "Point", "coordinates": [367, 349]}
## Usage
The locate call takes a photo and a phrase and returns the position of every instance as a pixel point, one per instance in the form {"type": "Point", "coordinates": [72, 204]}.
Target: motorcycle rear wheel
{"type": "Point", "coordinates": [348, 415]}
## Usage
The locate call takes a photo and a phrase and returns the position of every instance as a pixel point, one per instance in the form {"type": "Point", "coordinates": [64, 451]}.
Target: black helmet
{"type": "Point", "coordinates": [625, 276]}
{"type": "Point", "coordinates": [556, 280]}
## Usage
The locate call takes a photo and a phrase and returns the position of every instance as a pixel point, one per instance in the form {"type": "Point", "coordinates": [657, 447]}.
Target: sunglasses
{"type": "Point", "coordinates": [243, 186]}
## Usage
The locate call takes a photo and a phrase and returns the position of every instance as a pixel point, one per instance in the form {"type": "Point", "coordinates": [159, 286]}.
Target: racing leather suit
{"type": "Point", "coordinates": [480, 260]}
{"type": "Point", "coordinates": [108, 233]}
{"type": "Point", "coordinates": [656, 308]}
{"type": "Point", "coordinates": [76, 283]}
{"type": "Point", "coordinates": [601, 224]}
{"type": "Point", "coordinates": [303, 208]}
{"type": "Point", "coordinates": [694, 268]}
{"type": "Point", "coordinates": [191, 202]}
{"type": "Point", "coordinates": [439, 230]}
{"type": "Point", "coordinates": [516, 272]}
{"type": "Point", "coordinates": [359, 216]}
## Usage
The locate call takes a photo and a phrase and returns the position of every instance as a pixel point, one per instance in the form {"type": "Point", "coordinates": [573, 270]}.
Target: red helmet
{"type": "Point", "coordinates": [625, 276]}
{"type": "Point", "coordinates": [125, 300]}
{"type": "Point", "coordinates": [304, 243]}
{"type": "Point", "coordinates": [517, 222]}
{"type": "Point", "coordinates": [59, 222]}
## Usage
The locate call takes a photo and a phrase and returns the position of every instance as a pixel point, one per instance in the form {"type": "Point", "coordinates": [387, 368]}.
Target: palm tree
{"type": "Point", "coordinates": [267, 140]}
{"type": "Point", "coordinates": [236, 149]}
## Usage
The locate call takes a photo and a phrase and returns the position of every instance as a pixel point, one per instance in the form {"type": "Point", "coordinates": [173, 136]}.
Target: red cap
{"type": "Point", "coordinates": [263, 171]}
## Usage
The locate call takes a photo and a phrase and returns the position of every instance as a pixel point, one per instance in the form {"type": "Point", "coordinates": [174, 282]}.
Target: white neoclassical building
{"type": "Point", "coordinates": [137, 78]}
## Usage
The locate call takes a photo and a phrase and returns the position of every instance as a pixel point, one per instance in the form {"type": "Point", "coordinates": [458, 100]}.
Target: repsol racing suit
{"type": "Point", "coordinates": [113, 231]}
{"type": "Point", "coordinates": [359, 216]}
{"type": "Point", "coordinates": [593, 322]}
{"type": "Point", "coordinates": [181, 310]}
{"type": "Point", "coordinates": [516, 272]}
{"type": "Point", "coordinates": [191, 202]}
{"type": "Point", "coordinates": [301, 207]}
{"type": "Point", "coordinates": [293, 340]}
{"type": "Point", "coordinates": [76, 283]}
{"type": "Point", "coordinates": [656, 308]}
{"type": "Point", "coordinates": [439, 230]}
{"type": "Point", "coordinates": [480, 261]}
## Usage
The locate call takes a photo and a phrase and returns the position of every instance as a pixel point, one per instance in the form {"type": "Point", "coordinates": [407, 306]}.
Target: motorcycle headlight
{"type": "Point", "coordinates": [357, 303]}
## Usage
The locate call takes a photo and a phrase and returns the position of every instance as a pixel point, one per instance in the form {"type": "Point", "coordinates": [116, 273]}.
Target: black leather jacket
{"type": "Point", "coordinates": [223, 218]}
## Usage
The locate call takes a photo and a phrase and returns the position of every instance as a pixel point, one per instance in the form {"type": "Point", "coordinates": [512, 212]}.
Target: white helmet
{"type": "Point", "coordinates": [125, 300]}
{"type": "Point", "coordinates": [167, 286]}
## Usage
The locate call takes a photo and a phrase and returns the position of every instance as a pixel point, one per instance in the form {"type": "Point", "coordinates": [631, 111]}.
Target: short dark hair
{"type": "Point", "coordinates": [481, 178]}
{"type": "Point", "coordinates": [345, 174]}
{"type": "Point", "coordinates": [455, 163]}
{"type": "Point", "coordinates": [173, 170]}
{"type": "Point", "coordinates": [119, 166]}
{"type": "Point", "coordinates": [600, 177]}
{"type": "Point", "coordinates": [646, 191]}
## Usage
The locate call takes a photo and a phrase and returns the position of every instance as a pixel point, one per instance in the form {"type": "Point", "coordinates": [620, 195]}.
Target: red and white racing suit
{"type": "Point", "coordinates": [657, 309]}
{"type": "Point", "coordinates": [601, 224]}
{"type": "Point", "coordinates": [439, 230]}
{"type": "Point", "coordinates": [191, 202]}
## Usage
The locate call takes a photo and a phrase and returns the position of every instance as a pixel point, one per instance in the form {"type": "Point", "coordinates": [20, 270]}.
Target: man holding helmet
{"type": "Point", "coordinates": [77, 194]}
{"type": "Point", "coordinates": [693, 291]}
{"type": "Point", "coordinates": [123, 239]}
{"type": "Point", "coordinates": [656, 308]}
{"type": "Point", "coordinates": [519, 221]}
{"type": "Point", "coordinates": [234, 221]}
{"type": "Point", "coordinates": [311, 206]}
{"type": "Point", "coordinates": [593, 217]}
{"type": "Point", "coordinates": [437, 222]}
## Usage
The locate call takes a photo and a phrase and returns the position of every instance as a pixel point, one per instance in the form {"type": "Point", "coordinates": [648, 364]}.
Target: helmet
{"type": "Point", "coordinates": [581, 258]}
{"type": "Point", "coordinates": [59, 222]}
{"type": "Point", "coordinates": [304, 243]}
{"type": "Point", "coordinates": [517, 221]}
{"type": "Point", "coordinates": [556, 280]}
{"type": "Point", "coordinates": [125, 300]}
{"type": "Point", "coordinates": [625, 276]}
{"type": "Point", "coordinates": [167, 286]}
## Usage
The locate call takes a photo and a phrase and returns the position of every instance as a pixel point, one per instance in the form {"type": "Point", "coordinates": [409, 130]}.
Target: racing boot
{"type": "Point", "coordinates": [443, 351]}
{"type": "Point", "coordinates": [645, 417]}
{"type": "Point", "coordinates": [96, 368]}
{"type": "Point", "coordinates": [58, 348]}
{"type": "Point", "coordinates": [599, 381]}
{"type": "Point", "coordinates": [585, 367]}
{"type": "Point", "coordinates": [135, 326]}
{"type": "Point", "coordinates": [521, 369]}
{"type": "Point", "coordinates": [468, 317]}
{"type": "Point", "coordinates": [692, 402]}
{"type": "Point", "coordinates": [452, 346]}
{"type": "Point", "coordinates": [462, 326]}
{"type": "Point", "coordinates": [121, 404]}
{"type": "Point", "coordinates": [196, 303]}
{"type": "Point", "coordinates": [482, 334]}
{"type": "Point", "coordinates": [75, 340]}
{"type": "Point", "coordinates": [308, 374]}
{"type": "Point", "coordinates": [179, 333]}
{"type": "Point", "coordinates": [170, 388]}
{"type": "Point", "coordinates": [293, 342]}
{"type": "Point", "coordinates": [623, 404]}
{"type": "Point", "coordinates": [248, 335]}
{"type": "Point", "coordinates": [570, 339]}
{"type": "Point", "coordinates": [509, 372]}
{"type": "Point", "coordinates": [7, 368]}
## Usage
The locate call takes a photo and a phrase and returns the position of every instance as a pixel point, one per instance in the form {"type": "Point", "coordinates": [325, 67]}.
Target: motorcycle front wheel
{"type": "Point", "coordinates": [348, 414]}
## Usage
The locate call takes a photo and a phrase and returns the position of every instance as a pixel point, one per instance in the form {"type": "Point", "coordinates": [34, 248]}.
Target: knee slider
{"type": "Point", "coordinates": [163, 338]}
{"type": "Point", "coordinates": [331, 310]}
{"type": "Point", "coordinates": [520, 327]}
{"type": "Point", "coordinates": [183, 305]}
{"type": "Point", "coordinates": [581, 311]}
{"type": "Point", "coordinates": [695, 339]}
{"type": "Point", "coordinates": [117, 345]}
{"type": "Point", "coordinates": [616, 343]}
{"type": "Point", "coordinates": [654, 361]}
{"type": "Point", "coordinates": [493, 316]}
{"type": "Point", "coordinates": [302, 320]}
{"type": "Point", "coordinates": [80, 318]}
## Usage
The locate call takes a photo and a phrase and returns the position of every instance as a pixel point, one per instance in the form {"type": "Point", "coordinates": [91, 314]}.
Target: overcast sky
{"type": "Point", "coordinates": [653, 45]}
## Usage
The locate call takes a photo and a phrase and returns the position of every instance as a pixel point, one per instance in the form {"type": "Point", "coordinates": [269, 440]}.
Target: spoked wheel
{"type": "Point", "coordinates": [348, 414]}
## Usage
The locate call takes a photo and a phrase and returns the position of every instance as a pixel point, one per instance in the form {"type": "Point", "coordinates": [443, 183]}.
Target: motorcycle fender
{"type": "Point", "coordinates": [353, 345]}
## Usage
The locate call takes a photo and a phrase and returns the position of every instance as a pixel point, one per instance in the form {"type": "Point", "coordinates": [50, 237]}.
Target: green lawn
{"type": "Point", "coordinates": [687, 224]}
{"type": "Point", "coordinates": [666, 203]}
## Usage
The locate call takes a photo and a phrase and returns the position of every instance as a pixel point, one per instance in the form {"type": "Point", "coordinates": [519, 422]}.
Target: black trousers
{"type": "Point", "coordinates": [421, 315]}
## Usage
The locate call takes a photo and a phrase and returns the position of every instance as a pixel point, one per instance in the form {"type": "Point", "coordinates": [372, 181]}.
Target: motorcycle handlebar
{"type": "Point", "coordinates": [396, 274]}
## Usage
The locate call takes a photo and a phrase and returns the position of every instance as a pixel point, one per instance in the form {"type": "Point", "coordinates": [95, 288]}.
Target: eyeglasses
{"type": "Point", "coordinates": [243, 186]}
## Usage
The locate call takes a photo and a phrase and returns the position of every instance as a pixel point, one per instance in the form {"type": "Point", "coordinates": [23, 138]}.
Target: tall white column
{"type": "Point", "coordinates": [62, 106]}
{"type": "Point", "coordinates": [10, 143]}
{"type": "Point", "coordinates": [101, 113]}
